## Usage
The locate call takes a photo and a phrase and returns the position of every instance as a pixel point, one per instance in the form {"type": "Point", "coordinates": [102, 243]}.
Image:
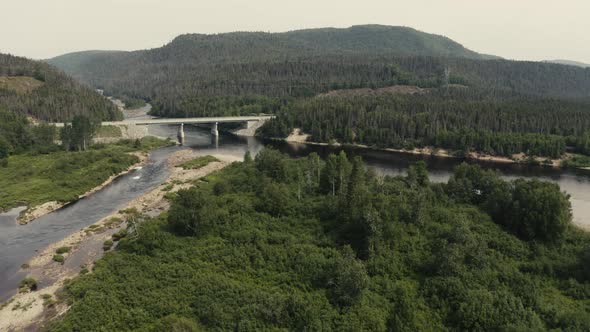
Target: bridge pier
{"type": "Point", "coordinates": [214, 130]}
{"type": "Point", "coordinates": [181, 134]}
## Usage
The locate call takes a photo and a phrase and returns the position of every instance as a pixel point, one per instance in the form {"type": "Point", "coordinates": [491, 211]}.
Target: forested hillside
{"type": "Point", "coordinates": [38, 90]}
{"type": "Point", "coordinates": [455, 118]}
{"type": "Point", "coordinates": [570, 63]}
{"type": "Point", "coordinates": [309, 245]}
{"type": "Point", "coordinates": [195, 69]}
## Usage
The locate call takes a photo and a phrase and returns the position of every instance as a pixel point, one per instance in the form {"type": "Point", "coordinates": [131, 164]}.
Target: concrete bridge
{"type": "Point", "coordinates": [137, 128]}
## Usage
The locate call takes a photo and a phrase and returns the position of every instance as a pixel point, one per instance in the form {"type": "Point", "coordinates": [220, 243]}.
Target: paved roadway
{"type": "Point", "coordinates": [223, 119]}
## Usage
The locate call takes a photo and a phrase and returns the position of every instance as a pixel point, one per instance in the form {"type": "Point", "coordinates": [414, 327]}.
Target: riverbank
{"type": "Point", "coordinates": [86, 247]}
{"type": "Point", "coordinates": [297, 136]}
{"type": "Point", "coordinates": [35, 212]}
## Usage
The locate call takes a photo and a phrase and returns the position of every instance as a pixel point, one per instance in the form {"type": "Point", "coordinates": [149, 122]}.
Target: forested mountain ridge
{"type": "Point", "coordinates": [211, 60]}
{"type": "Point", "coordinates": [72, 61]}
{"type": "Point", "coordinates": [36, 89]}
{"type": "Point", "coordinates": [197, 69]}
{"type": "Point", "coordinates": [257, 46]}
{"type": "Point", "coordinates": [570, 63]}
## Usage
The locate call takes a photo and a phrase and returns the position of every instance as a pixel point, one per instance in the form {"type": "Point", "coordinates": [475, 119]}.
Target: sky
{"type": "Point", "coordinates": [513, 29]}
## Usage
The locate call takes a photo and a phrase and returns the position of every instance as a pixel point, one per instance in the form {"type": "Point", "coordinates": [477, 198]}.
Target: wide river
{"type": "Point", "coordinates": [18, 243]}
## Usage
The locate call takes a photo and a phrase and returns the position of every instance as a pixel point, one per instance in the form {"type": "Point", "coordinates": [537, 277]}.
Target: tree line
{"type": "Point", "coordinates": [18, 135]}
{"type": "Point", "coordinates": [459, 119]}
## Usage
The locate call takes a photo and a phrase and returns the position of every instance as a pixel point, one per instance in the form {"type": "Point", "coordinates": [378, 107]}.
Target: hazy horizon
{"type": "Point", "coordinates": [527, 30]}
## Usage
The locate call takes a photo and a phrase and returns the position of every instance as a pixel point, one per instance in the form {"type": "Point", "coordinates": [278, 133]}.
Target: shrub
{"type": "Point", "coordinates": [30, 284]}
{"type": "Point", "coordinates": [119, 235]}
{"type": "Point", "coordinates": [107, 245]}
{"type": "Point", "coordinates": [198, 162]}
{"type": "Point", "coordinates": [48, 300]}
{"type": "Point", "coordinates": [58, 258]}
{"type": "Point", "coordinates": [63, 250]}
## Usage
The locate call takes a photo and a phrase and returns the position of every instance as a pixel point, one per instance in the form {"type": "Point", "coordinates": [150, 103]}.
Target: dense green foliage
{"type": "Point", "coordinates": [310, 245]}
{"type": "Point", "coordinates": [17, 135]}
{"type": "Point", "coordinates": [577, 161]}
{"type": "Point", "coordinates": [78, 134]}
{"type": "Point", "coordinates": [55, 96]}
{"type": "Point", "coordinates": [456, 118]}
{"type": "Point", "coordinates": [532, 210]}
{"type": "Point", "coordinates": [32, 178]}
{"type": "Point", "coordinates": [131, 103]}
{"type": "Point", "coordinates": [28, 284]}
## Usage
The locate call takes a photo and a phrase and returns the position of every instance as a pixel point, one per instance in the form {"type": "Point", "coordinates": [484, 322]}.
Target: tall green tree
{"type": "Point", "coordinates": [78, 135]}
{"type": "Point", "coordinates": [539, 211]}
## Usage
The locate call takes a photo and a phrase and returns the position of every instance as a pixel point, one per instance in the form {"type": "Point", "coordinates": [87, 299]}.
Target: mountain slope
{"type": "Point", "coordinates": [257, 46]}
{"type": "Point", "coordinates": [569, 63]}
{"type": "Point", "coordinates": [41, 91]}
{"type": "Point", "coordinates": [199, 74]}
{"type": "Point", "coordinates": [191, 56]}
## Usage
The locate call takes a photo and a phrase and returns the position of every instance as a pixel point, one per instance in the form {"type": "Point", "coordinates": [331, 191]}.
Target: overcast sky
{"type": "Point", "coordinates": [514, 29]}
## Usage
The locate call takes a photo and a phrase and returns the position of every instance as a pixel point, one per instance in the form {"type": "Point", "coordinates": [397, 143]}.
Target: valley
{"type": "Point", "coordinates": [365, 178]}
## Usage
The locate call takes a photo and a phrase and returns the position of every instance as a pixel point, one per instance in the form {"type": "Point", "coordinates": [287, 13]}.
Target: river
{"type": "Point", "coordinates": [18, 243]}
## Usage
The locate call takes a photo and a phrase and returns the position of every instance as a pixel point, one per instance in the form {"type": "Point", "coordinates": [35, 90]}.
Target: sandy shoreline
{"type": "Point", "coordinates": [87, 247]}
{"type": "Point", "coordinates": [297, 136]}
{"type": "Point", "coordinates": [35, 212]}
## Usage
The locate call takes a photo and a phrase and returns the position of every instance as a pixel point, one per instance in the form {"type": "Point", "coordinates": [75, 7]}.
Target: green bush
{"type": "Point", "coordinates": [28, 283]}
{"type": "Point", "coordinates": [63, 250]}
{"type": "Point", "coordinates": [199, 162]}
{"type": "Point", "coordinates": [107, 245]}
{"type": "Point", "coordinates": [119, 235]}
{"type": "Point", "coordinates": [58, 258]}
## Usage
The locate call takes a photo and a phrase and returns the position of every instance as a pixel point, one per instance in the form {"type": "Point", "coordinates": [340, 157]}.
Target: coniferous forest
{"type": "Point", "coordinates": [312, 245]}
{"type": "Point", "coordinates": [451, 97]}
{"type": "Point", "coordinates": [35, 89]}
{"type": "Point", "coordinates": [309, 244]}
{"type": "Point", "coordinates": [454, 118]}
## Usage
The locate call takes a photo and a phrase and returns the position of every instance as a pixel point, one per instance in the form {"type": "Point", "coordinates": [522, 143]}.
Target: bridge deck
{"type": "Point", "coordinates": [223, 119]}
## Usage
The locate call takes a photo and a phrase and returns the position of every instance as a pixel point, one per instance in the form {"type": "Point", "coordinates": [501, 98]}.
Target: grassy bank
{"type": "Point", "coordinates": [33, 179]}
{"type": "Point", "coordinates": [198, 162]}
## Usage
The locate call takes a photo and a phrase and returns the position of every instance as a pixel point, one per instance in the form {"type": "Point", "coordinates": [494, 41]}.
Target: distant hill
{"type": "Point", "coordinates": [71, 62]}
{"type": "Point", "coordinates": [570, 63]}
{"type": "Point", "coordinates": [43, 92]}
{"type": "Point", "coordinates": [107, 68]}
{"type": "Point", "coordinates": [202, 74]}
